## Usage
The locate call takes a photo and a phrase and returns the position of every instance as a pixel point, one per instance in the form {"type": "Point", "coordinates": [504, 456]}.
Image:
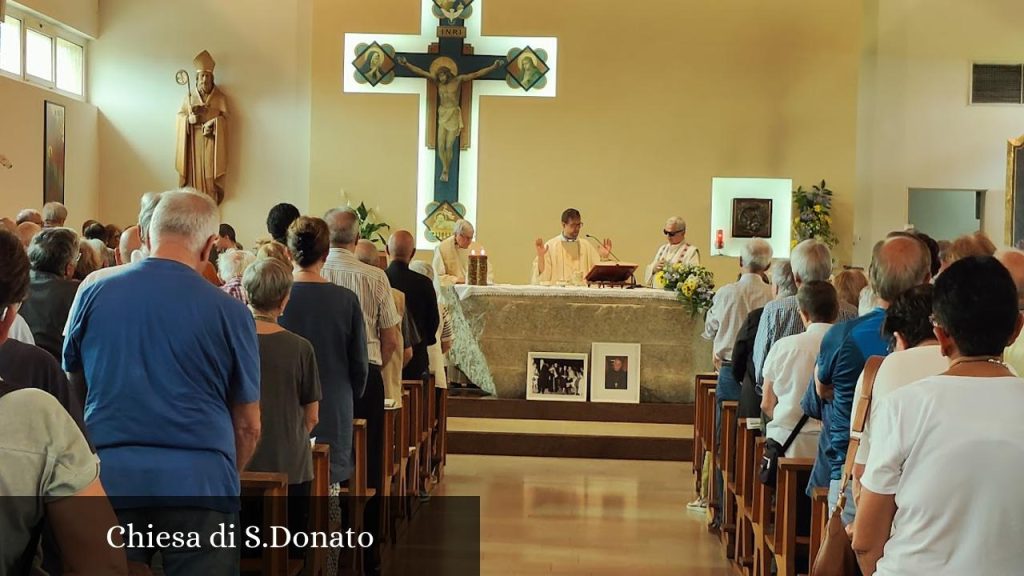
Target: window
{"type": "Point", "coordinates": [42, 53]}
{"type": "Point", "coordinates": [39, 55]}
{"type": "Point", "coordinates": [69, 66]}
{"type": "Point", "coordinates": [10, 45]}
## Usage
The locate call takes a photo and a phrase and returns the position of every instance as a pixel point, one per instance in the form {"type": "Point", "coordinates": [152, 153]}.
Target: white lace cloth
{"type": "Point", "coordinates": [463, 291]}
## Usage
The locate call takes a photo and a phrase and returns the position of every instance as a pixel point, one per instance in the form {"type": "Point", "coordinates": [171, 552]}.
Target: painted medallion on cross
{"type": "Point", "coordinates": [451, 64]}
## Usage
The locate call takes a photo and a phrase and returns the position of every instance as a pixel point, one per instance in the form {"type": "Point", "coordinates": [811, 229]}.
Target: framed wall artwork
{"type": "Point", "coordinates": [556, 376]}
{"type": "Point", "coordinates": [53, 152]}
{"type": "Point", "coordinates": [751, 218]}
{"type": "Point", "coordinates": [616, 373]}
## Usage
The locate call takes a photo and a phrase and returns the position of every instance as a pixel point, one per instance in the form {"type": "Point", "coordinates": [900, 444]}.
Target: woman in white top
{"type": "Point", "coordinates": [916, 355]}
{"type": "Point", "coordinates": [941, 490]}
{"type": "Point", "coordinates": [789, 368]}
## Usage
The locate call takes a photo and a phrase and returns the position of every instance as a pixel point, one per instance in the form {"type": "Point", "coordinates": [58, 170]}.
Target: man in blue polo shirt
{"type": "Point", "coordinates": [897, 265]}
{"type": "Point", "coordinates": [171, 369]}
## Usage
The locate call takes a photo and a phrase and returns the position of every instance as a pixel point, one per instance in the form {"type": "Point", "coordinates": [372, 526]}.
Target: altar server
{"type": "Point", "coordinates": [676, 251]}
{"type": "Point", "coordinates": [566, 258]}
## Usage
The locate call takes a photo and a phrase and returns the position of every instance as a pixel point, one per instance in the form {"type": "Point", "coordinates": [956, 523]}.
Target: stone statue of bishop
{"type": "Point", "coordinates": [201, 158]}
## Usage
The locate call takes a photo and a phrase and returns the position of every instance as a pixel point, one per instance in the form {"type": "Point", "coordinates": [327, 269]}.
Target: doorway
{"type": "Point", "coordinates": [945, 214]}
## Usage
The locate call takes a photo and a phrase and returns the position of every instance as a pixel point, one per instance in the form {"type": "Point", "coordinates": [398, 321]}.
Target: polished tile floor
{"type": "Point", "coordinates": [597, 517]}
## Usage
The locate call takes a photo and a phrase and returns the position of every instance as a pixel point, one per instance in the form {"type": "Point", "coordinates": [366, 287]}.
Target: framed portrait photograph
{"type": "Point", "coordinates": [556, 376]}
{"type": "Point", "coordinates": [53, 152]}
{"type": "Point", "coordinates": [616, 373]}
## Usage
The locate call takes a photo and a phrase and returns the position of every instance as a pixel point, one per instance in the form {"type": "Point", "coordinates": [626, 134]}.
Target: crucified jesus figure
{"type": "Point", "coordinates": [449, 111]}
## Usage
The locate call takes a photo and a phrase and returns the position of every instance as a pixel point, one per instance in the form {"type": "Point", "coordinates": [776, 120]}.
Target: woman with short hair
{"type": "Point", "coordinates": [941, 489]}
{"type": "Point", "coordinates": [330, 318]}
{"type": "Point", "coordinates": [289, 387]}
{"type": "Point", "coordinates": [231, 266]}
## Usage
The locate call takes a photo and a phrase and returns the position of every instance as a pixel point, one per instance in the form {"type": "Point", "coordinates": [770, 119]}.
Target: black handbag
{"type": "Point", "coordinates": [773, 451]}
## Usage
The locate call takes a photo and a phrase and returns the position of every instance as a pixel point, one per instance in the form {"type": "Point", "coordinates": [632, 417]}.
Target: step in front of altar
{"type": "Point", "coordinates": [507, 427]}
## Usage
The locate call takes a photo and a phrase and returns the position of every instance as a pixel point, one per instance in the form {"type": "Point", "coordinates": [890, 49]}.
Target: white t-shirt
{"type": "Point", "coordinates": [898, 370]}
{"type": "Point", "coordinates": [21, 332]}
{"type": "Point", "coordinates": [953, 454]}
{"type": "Point", "coordinates": [790, 368]}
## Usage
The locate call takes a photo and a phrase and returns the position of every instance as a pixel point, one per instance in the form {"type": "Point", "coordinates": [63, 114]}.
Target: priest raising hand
{"type": "Point", "coordinates": [565, 259]}
{"type": "Point", "coordinates": [542, 250]}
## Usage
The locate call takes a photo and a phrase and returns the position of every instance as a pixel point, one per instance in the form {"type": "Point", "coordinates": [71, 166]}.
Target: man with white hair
{"type": "Point", "coordinates": [811, 261]}
{"type": "Point", "coordinates": [451, 256]}
{"type": "Point", "coordinates": [382, 340]}
{"type": "Point", "coordinates": [181, 419]}
{"type": "Point", "coordinates": [729, 310]}
{"type": "Point", "coordinates": [30, 215]}
{"type": "Point", "coordinates": [54, 215]}
{"type": "Point", "coordinates": [675, 251]}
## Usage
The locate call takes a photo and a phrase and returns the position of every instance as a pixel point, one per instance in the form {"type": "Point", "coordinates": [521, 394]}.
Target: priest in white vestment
{"type": "Point", "coordinates": [566, 258]}
{"type": "Point", "coordinates": [451, 256]}
{"type": "Point", "coordinates": [677, 251]}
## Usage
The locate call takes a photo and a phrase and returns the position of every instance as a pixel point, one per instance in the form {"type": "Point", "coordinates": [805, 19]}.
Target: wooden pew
{"type": "Point", "coordinates": [316, 558]}
{"type": "Point", "coordinates": [414, 421]}
{"type": "Point", "coordinates": [819, 519]}
{"type": "Point", "coordinates": [441, 433]}
{"type": "Point", "coordinates": [790, 550]}
{"type": "Point", "coordinates": [702, 414]}
{"type": "Point", "coordinates": [358, 491]}
{"type": "Point", "coordinates": [714, 497]}
{"type": "Point", "coordinates": [428, 415]}
{"type": "Point", "coordinates": [762, 517]}
{"type": "Point", "coordinates": [727, 464]}
{"type": "Point", "coordinates": [272, 489]}
{"type": "Point", "coordinates": [746, 475]}
{"type": "Point", "coordinates": [392, 466]}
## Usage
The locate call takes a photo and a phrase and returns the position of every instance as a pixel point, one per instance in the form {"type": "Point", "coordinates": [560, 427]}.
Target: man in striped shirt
{"type": "Point", "coordinates": [382, 332]}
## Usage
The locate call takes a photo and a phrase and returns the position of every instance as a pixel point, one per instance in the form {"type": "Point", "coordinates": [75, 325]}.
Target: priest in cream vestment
{"type": "Point", "coordinates": [566, 258]}
{"type": "Point", "coordinates": [451, 257]}
{"type": "Point", "coordinates": [676, 251]}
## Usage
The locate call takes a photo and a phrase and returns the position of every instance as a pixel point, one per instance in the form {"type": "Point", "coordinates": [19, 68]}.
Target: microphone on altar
{"type": "Point", "coordinates": [617, 259]}
{"type": "Point", "coordinates": [600, 243]}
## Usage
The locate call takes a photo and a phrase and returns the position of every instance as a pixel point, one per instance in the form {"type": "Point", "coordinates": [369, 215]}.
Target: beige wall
{"type": "Point", "coordinates": [917, 129]}
{"type": "Point", "coordinates": [261, 50]}
{"type": "Point", "coordinates": [654, 100]}
{"type": "Point", "coordinates": [82, 16]}
{"type": "Point", "coordinates": [21, 140]}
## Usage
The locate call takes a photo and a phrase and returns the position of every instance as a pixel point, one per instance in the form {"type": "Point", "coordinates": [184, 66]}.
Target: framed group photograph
{"type": "Point", "coordinates": [616, 373]}
{"type": "Point", "coordinates": [556, 376]}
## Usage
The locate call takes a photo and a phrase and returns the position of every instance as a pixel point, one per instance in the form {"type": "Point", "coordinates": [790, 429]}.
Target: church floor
{"type": "Point", "coordinates": [596, 517]}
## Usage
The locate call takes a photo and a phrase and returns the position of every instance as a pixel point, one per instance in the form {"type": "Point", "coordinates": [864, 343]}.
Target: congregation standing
{"type": "Point", "coordinates": [937, 336]}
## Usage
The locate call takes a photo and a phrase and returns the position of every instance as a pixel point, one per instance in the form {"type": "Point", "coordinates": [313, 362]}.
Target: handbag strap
{"type": "Point", "coordinates": [792, 435]}
{"type": "Point", "coordinates": [860, 419]}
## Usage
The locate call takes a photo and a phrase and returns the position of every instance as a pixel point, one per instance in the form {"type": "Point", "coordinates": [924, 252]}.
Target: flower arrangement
{"type": "Point", "coordinates": [814, 219]}
{"type": "Point", "coordinates": [693, 285]}
{"type": "Point", "coordinates": [369, 228]}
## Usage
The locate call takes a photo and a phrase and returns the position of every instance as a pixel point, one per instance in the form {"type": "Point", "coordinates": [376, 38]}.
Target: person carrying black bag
{"type": "Point", "coordinates": [788, 371]}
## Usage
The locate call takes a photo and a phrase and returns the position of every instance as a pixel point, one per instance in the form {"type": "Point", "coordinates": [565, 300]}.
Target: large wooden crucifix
{"type": "Point", "coordinates": [459, 65]}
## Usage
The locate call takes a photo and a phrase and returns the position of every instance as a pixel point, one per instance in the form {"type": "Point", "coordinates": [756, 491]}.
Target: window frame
{"type": "Point", "coordinates": [54, 32]}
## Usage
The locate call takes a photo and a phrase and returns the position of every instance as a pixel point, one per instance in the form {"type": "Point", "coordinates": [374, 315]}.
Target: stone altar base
{"type": "Point", "coordinates": [508, 325]}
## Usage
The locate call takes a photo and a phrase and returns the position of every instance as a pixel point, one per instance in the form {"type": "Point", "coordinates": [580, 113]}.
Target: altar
{"type": "Point", "coordinates": [496, 327]}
